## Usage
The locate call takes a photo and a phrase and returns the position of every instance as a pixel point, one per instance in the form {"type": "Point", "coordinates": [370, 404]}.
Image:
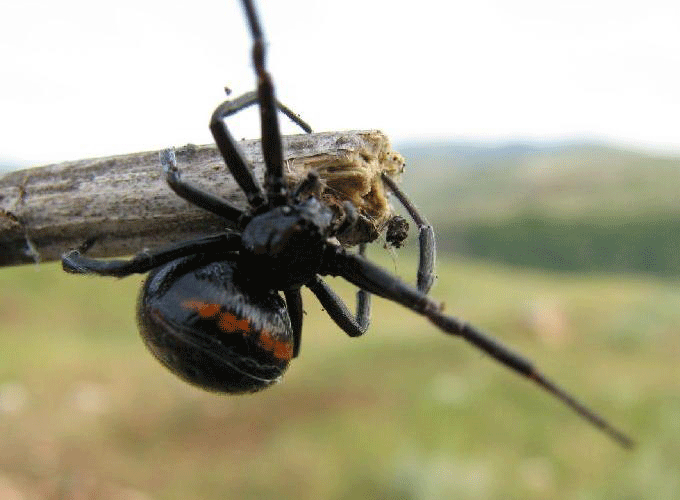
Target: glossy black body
{"type": "Point", "coordinates": [212, 329]}
{"type": "Point", "coordinates": [283, 247]}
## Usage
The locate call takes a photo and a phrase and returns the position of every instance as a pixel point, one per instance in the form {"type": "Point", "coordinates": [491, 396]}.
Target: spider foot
{"type": "Point", "coordinates": [168, 161]}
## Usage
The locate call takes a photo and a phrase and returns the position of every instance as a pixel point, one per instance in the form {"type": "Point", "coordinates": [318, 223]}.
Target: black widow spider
{"type": "Point", "coordinates": [210, 309]}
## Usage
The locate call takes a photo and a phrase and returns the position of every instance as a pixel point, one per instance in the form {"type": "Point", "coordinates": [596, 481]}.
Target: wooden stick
{"type": "Point", "coordinates": [124, 202]}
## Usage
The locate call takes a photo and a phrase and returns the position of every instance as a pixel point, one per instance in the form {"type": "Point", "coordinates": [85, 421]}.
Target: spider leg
{"type": "Point", "coordinates": [233, 106]}
{"type": "Point", "coordinates": [294, 117]}
{"type": "Point", "coordinates": [428, 248]}
{"type": "Point", "coordinates": [73, 262]}
{"type": "Point", "coordinates": [336, 308]}
{"type": "Point", "coordinates": [232, 154]}
{"type": "Point", "coordinates": [272, 148]}
{"type": "Point", "coordinates": [195, 195]}
{"type": "Point", "coordinates": [370, 277]}
{"type": "Point", "coordinates": [295, 311]}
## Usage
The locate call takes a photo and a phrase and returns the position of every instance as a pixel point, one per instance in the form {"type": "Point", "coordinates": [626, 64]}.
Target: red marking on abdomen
{"type": "Point", "coordinates": [204, 309]}
{"type": "Point", "coordinates": [228, 322]}
{"type": "Point", "coordinates": [280, 349]}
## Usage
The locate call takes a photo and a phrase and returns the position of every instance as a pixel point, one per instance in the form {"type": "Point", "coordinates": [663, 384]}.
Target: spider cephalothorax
{"type": "Point", "coordinates": [285, 245]}
{"type": "Point", "coordinates": [225, 312]}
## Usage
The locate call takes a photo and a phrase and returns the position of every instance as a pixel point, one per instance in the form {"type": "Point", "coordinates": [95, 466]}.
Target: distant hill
{"type": "Point", "coordinates": [572, 206]}
{"type": "Point", "coordinates": [6, 165]}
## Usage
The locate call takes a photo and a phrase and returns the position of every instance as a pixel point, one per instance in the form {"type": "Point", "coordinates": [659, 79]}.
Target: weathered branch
{"type": "Point", "coordinates": [124, 202]}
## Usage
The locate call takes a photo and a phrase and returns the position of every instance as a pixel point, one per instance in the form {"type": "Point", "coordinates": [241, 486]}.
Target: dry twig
{"type": "Point", "coordinates": [124, 202]}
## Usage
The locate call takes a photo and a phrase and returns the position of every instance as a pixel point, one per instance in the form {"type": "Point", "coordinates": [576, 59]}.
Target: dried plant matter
{"type": "Point", "coordinates": [124, 202]}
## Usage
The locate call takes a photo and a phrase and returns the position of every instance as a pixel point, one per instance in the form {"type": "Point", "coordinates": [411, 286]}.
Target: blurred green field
{"type": "Point", "coordinates": [575, 206]}
{"type": "Point", "coordinates": [404, 412]}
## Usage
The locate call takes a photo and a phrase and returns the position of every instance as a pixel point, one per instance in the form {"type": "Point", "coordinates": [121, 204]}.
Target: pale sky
{"type": "Point", "coordinates": [82, 78]}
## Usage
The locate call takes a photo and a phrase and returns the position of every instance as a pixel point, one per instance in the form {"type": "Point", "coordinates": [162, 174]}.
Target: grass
{"type": "Point", "coordinates": [403, 412]}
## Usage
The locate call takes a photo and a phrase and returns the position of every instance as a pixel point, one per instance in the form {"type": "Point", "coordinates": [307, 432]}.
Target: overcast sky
{"type": "Point", "coordinates": [84, 78]}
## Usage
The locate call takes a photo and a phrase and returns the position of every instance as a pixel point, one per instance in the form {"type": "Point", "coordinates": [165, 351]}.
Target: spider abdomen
{"type": "Point", "coordinates": [199, 322]}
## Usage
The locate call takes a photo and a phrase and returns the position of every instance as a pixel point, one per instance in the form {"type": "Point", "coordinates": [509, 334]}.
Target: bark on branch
{"type": "Point", "coordinates": [124, 202]}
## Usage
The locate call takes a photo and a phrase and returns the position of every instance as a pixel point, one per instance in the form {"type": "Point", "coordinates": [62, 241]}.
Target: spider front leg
{"type": "Point", "coordinates": [370, 277]}
{"type": "Point", "coordinates": [428, 247]}
{"type": "Point", "coordinates": [272, 148]}
{"type": "Point", "coordinates": [354, 326]}
{"type": "Point", "coordinates": [73, 261]}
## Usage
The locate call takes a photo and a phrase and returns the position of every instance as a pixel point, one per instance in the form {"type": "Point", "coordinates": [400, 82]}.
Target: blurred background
{"type": "Point", "coordinates": [541, 140]}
